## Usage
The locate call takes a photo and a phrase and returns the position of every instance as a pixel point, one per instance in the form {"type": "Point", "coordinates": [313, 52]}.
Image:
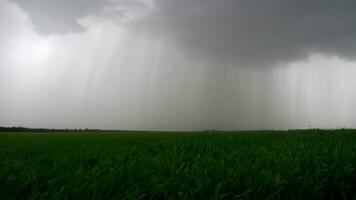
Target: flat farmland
{"type": "Point", "coordinates": [311, 164]}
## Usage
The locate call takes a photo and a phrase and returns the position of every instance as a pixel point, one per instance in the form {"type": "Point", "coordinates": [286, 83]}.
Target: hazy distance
{"type": "Point", "coordinates": [178, 65]}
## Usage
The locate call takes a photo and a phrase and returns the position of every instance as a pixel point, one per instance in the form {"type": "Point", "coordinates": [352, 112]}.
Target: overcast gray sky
{"type": "Point", "coordinates": [178, 65]}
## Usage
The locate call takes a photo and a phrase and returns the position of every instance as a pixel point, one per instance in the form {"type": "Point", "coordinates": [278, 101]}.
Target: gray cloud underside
{"type": "Point", "coordinates": [61, 16]}
{"type": "Point", "coordinates": [246, 32]}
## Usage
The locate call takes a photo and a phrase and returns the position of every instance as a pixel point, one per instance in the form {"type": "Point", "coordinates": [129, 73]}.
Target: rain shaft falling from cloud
{"type": "Point", "coordinates": [115, 65]}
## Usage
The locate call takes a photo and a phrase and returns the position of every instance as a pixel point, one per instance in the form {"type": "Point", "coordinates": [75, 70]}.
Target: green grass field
{"type": "Point", "coordinates": [256, 165]}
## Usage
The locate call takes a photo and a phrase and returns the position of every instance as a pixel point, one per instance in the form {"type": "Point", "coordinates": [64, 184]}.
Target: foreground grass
{"type": "Point", "coordinates": [263, 165]}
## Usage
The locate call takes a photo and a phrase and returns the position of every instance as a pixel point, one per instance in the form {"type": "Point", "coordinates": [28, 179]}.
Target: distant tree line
{"type": "Point", "coordinates": [23, 129]}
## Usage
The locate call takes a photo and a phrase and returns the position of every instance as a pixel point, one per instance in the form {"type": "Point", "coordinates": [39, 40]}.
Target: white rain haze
{"type": "Point", "coordinates": [178, 65]}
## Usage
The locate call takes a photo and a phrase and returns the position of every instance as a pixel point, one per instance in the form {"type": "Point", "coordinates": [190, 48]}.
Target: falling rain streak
{"type": "Point", "coordinates": [111, 78]}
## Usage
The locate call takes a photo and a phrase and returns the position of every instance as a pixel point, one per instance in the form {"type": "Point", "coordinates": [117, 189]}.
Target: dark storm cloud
{"type": "Point", "coordinates": [259, 32]}
{"type": "Point", "coordinates": [247, 32]}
